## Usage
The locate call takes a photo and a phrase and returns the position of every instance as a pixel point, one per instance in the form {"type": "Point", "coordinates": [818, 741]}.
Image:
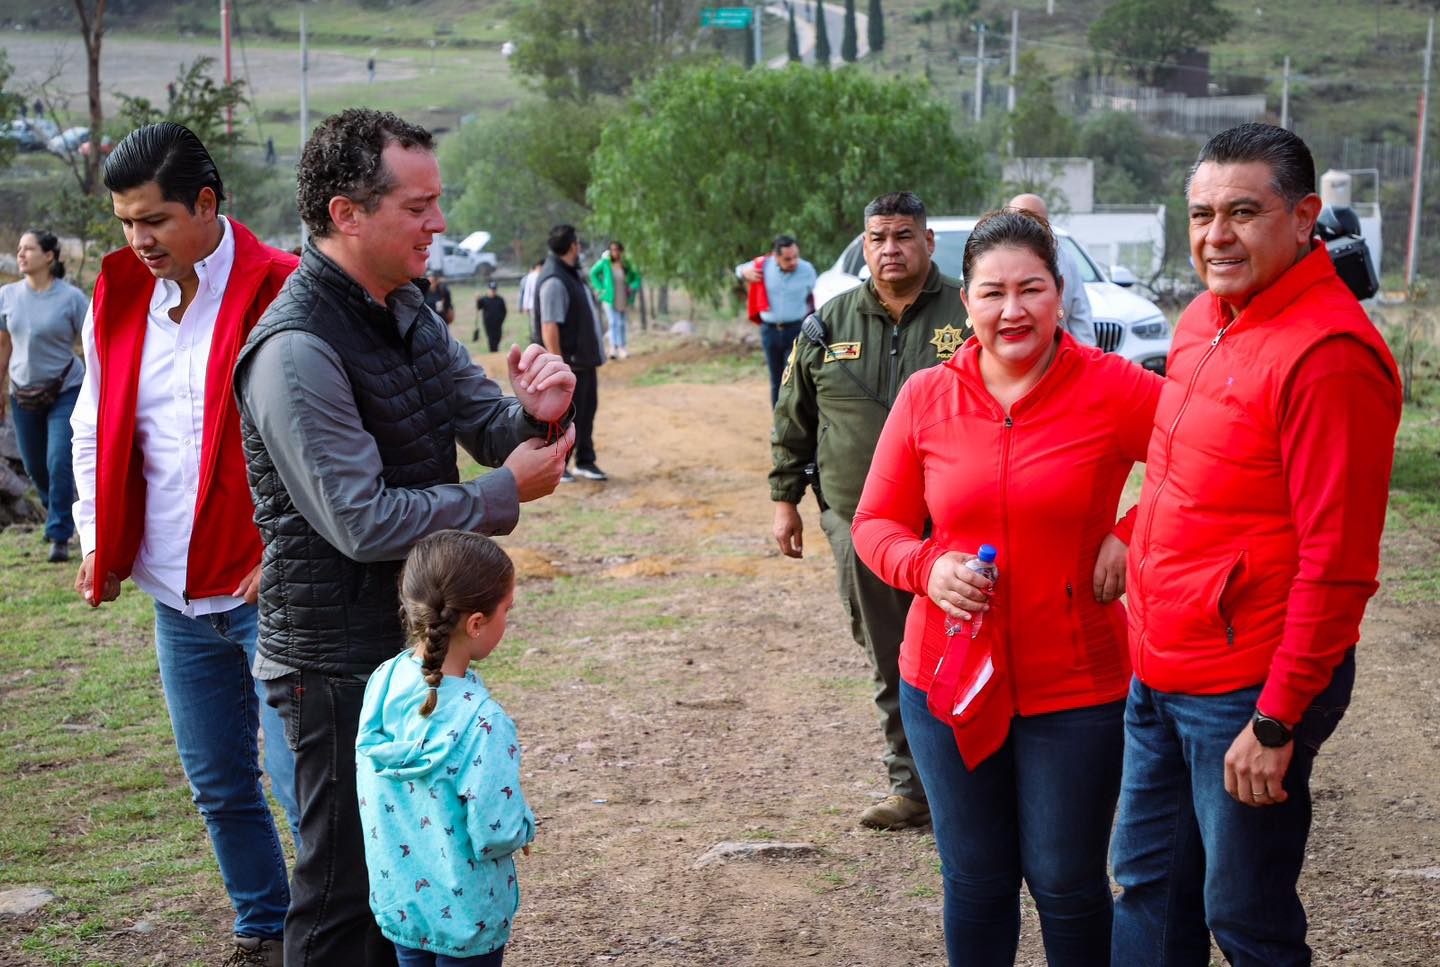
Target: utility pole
{"type": "Point", "coordinates": [304, 94]}
{"type": "Point", "coordinates": [759, 51]}
{"type": "Point", "coordinates": [1014, 58]}
{"type": "Point", "coordinates": [980, 74]}
{"type": "Point", "coordinates": [1285, 97]}
{"type": "Point", "coordinates": [1414, 245]}
{"type": "Point", "coordinates": [225, 44]}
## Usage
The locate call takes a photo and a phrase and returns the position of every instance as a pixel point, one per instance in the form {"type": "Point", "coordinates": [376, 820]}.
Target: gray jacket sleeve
{"type": "Point", "coordinates": [296, 393]}
{"type": "Point", "coordinates": [1077, 304]}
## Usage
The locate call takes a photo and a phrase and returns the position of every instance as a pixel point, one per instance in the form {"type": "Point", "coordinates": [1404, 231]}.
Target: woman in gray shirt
{"type": "Point", "coordinates": [40, 319]}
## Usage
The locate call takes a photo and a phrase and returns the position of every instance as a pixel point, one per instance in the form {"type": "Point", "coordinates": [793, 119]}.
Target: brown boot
{"type": "Point", "coordinates": [896, 812]}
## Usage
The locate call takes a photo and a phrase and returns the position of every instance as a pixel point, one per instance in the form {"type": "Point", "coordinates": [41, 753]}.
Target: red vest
{"type": "Point", "coordinates": [757, 300]}
{"type": "Point", "coordinates": [1215, 551]}
{"type": "Point", "coordinates": [224, 544]}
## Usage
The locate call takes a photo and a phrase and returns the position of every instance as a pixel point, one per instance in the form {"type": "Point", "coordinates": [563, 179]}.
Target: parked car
{"type": "Point", "coordinates": [1125, 323]}
{"type": "Point", "coordinates": [68, 141]}
{"type": "Point", "coordinates": [460, 260]}
{"type": "Point", "coordinates": [30, 134]}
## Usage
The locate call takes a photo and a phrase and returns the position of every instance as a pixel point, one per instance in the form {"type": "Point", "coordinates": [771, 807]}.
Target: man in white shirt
{"type": "Point", "coordinates": [163, 496]}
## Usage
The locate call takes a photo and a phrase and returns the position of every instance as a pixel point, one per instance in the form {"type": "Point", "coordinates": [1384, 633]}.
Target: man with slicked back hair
{"type": "Point", "coordinates": [163, 499]}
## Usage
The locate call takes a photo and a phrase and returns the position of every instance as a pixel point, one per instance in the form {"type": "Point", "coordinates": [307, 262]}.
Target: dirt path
{"type": "Point", "coordinates": [143, 67]}
{"type": "Point", "coordinates": [678, 684]}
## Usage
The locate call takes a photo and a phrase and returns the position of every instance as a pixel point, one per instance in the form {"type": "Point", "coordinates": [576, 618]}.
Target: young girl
{"type": "Point", "coordinates": [438, 765]}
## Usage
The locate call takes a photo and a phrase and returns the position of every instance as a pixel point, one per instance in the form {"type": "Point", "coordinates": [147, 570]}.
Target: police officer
{"type": "Point", "coordinates": [845, 370]}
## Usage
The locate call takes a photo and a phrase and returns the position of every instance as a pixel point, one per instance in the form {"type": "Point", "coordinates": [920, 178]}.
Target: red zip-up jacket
{"type": "Point", "coordinates": [1257, 540]}
{"type": "Point", "coordinates": [1042, 486]}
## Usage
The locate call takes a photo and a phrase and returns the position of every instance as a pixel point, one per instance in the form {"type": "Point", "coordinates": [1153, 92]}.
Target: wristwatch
{"type": "Point", "coordinates": [1272, 733]}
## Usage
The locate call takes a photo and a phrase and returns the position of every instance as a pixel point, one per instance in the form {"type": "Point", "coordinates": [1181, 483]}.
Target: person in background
{"type": "Point", "coordinates": [526, 298]}
{"type": "Point", "coordinates": [1077, 320]}
{"type": "Point", "coordinates": [1256, 547]}
{"type": "Point", "coordinates": [41, 317]}
{"type": "Point", "coordinates": [844, 375]}
{"type": "Point", "coordinates": [616, 280]}
{"type": "Point", "coordinates": [438, 765]}
{"type": "Point", "coordinates": [566, 322]}
{"type": "Point", "coordinates": [163, 498]}
{"type": "Point", "coordinates": [491, 308]}
{"type": "Point", "coordinates": [992, 448]}
{"type": "Point", "coordinates": [437, 296]}
{"type": "Point", "coordinates": [782, 294]}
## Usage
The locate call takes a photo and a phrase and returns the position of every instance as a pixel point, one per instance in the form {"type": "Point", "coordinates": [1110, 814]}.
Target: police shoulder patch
{"type": "Point", "coordinates": [790, 363]}
{"type": "Point", "coordinates": [842, 350]}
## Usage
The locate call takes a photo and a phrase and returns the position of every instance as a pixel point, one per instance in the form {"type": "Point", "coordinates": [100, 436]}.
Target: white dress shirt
{"type": "Point", "coordinates": [169, 429]}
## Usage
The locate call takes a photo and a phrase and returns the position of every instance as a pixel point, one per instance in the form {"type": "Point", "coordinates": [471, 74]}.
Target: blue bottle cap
{"type": "Point", "coordinates": [986, 554]}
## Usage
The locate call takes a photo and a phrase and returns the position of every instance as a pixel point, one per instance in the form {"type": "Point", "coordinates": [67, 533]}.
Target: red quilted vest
{"type": "Point", "coordinates": [224, 544]}
{"type": "Point", "coordinates": [1214, 551]}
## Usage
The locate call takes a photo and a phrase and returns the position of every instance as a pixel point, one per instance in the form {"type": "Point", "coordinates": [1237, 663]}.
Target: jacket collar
{"type": "Point", "coordinates": [872, 305]}
{"type": "Point", "coordinates": [402, 307]}
{"type": "Point", "coordinates": [1310, 271]}
{"type": "Point", "coordinates": [966, 364]}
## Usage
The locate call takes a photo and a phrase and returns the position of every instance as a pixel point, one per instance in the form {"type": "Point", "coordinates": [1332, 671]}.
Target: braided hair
{"type": "Point", "coordinates": [448, 576]}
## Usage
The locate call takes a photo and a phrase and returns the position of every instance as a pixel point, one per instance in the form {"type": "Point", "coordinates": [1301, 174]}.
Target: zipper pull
{"type": "Point", "coordinates": [1008, 422]}
{"type": "Point", "coordinates": [895, 340]}
{"type": "Point", "coordinates": [1230, 635]}
{"type": "Point", "coordinates": [1216, 341]}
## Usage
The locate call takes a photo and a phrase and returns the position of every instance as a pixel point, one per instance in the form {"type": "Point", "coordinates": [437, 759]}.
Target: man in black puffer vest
{"type": "Point", "coordinates": [353, 396]}
{"type": "Point", "coordinates": [566, 322]}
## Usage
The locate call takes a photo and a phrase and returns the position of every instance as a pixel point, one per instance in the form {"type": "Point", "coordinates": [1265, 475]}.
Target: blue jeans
{"type": "Point", "coordinates": [1192, 860]}
{"type": "Point", "coordinates": [776, 341]}
{"type": "Point", "coordinates": [215, 711]}
{"type": "Point", "coordinates": [617, 326]}
{"type": "Point", "coordinates": [410, 957]}
{"type": "Point", "coordinates": [1040, 808]}
{"type": "Point", "coordinates": [43, 437]}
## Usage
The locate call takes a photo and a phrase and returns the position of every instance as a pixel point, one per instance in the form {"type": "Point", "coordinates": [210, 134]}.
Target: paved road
{"type": "Point", "coordinates": [834, 27]}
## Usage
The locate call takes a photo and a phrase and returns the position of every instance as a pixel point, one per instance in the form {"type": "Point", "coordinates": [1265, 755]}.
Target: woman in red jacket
{"type": "Point", "coordinates": [1023, 440]}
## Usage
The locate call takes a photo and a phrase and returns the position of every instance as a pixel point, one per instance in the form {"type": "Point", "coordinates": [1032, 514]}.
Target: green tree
{"type": "Point", "coordinates": [875, 29]}
{"type": "Point", "coordinates": [1037, 128]}
{"type": "Point", "coordinates": [822, 37]}
{"type": "Point", "coordinates": [201, 104]}
{"type": "Point", "coordinates": [821, 145]}
{"type": "Point", "coordinates": [9, 106]}
{"type": "Point", "coordinates": [1147, 36]}
{"type": "Point", "coordinates": [519, 174]}
{"type": "Point", "coordinates": [849, 40]}
{"type": "Point", "coordinates": [792, 39]}
{"type": "Point", "coordinates": [576, 51]}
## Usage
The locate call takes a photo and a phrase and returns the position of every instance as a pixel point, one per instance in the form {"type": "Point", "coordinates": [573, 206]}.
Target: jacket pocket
{"type": "Point", "coordinates": [1221, 606]}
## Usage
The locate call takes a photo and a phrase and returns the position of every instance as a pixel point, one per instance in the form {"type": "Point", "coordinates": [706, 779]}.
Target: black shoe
{"type": "Point", "coordinates": [567, 477]}
{"type": "Point", "coordinates": [590, 472]}
{"type": "Point", "coordinates": [59, 552]}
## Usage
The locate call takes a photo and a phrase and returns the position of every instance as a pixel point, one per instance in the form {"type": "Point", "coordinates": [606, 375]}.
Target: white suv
{"type": "Point", "coordinates": [1125, 323]}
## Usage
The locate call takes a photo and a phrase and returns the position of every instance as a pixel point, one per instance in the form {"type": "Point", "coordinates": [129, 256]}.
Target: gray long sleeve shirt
{"type": "Point", "coordinates": [297, 394]}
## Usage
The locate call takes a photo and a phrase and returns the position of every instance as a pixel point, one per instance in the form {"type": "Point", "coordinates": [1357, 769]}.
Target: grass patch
{"type": "Point", "coordinates": [86, 747]}
{"type": "Point", "coordinates": [727, 365]}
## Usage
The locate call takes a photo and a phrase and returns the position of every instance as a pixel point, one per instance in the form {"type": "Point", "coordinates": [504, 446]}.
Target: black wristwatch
{"type": "Point", "coordinates": [1272, 733]}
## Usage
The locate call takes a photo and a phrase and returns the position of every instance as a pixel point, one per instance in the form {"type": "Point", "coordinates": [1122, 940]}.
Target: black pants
{"type": "Point", "coordinates": [329, 922]}
{"type": "Point", "coordinates": [587, 401]}
{"type": "Point", "coordinates": [492, 332]}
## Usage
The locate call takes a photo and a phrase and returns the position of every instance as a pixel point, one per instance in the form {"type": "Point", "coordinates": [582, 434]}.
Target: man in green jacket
{"type": "Point", "coordinates": [616, 281]}
{"type": "Point", "coordinates": [835, 394]}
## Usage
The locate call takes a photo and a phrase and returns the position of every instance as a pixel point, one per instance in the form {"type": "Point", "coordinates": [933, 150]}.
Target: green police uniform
{"type": "Point", "coordinates": [834, 398]}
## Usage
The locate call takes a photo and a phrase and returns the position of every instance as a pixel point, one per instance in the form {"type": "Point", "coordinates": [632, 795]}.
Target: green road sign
{"type": "Point", "coordinates": [726, 18]}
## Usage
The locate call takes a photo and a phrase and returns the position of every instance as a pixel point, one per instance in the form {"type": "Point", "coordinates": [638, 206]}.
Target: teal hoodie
{"type": "Point", "coordinates": [442, 809]}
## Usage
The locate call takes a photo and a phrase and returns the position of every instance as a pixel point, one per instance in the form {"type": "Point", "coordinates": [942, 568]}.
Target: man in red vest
{"type": "Point", "coordinates": [1256, 548]}
{"type": "Point", "coordinates": [163, 494]}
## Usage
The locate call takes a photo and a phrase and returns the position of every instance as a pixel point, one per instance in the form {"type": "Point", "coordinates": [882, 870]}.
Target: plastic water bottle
{"type": "Point", "coordinates": [983, 563]}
